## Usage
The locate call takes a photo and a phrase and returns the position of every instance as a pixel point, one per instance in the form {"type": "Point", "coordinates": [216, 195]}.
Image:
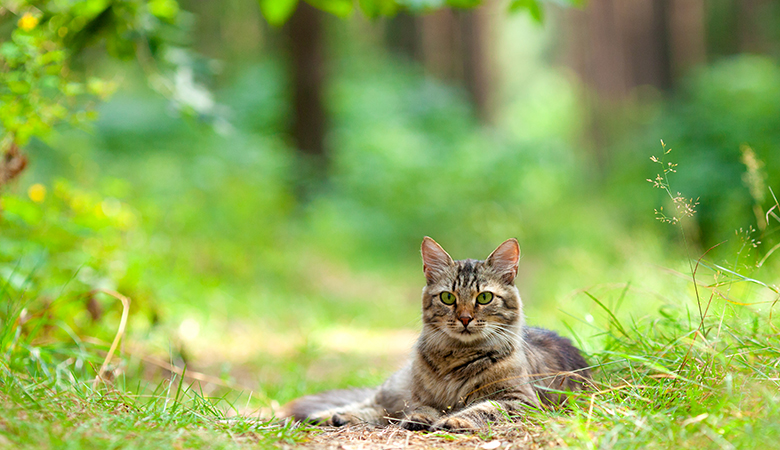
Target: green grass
{"type": "Point", "coordinates": [683, 383]}
{"type": "Point", "coordinates": [700, 372]}
{"type": "Point", "coordinates": [36, 416]}
{"type": "Point", "coordinates": [49, 398]}
{"type": "Point", "coordinates": [287, 299]}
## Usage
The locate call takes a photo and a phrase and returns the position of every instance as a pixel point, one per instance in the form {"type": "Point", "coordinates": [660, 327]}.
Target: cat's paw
{"type": "Point", "coordinates": [418, 422]}
{"type": "Point", "coordinates": [344, 419]}
{"type": "Point", "coordinates": [320, 418]}
{"type": "Point", "coordinates": [454, 423]}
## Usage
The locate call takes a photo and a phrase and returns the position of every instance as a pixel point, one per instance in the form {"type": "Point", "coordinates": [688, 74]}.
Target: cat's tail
{"type": "Point", "coordinates": [311, 407]}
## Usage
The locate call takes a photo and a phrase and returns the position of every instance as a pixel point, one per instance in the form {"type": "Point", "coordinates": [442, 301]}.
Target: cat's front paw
{"type": "Point", "coordinates": [320, 418]}
{"type": "Point", "coordinates": [418, 422]}
{"type": "Point", "coordinates": [454, 423]}
{"type": "Point", "coordinates": [344, 419]}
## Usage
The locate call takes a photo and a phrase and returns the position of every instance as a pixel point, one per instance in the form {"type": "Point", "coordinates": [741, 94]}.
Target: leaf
{"type": "Point", "coordinates": [339, 8]}
{"type": "Point", "coordinates": [10, 51]}
{"type": "Point", "coordinates": [533, 7]}
{"type": "Point", "coordinates": [463, 4]}
{"type": "Point", "coordinates": [165, 9]}
{"type": "Point", "coordinates": [276, 12]}
{"type": "Point", "coordinates": [18, 87]}
{"type": "Point", "coordinates": [376, 8]}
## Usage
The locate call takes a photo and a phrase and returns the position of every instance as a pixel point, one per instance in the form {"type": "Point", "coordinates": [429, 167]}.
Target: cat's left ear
{"type": "Point", "coordinates": [436, 261]}
{"type": "Point", "coordinates": [504, 260]}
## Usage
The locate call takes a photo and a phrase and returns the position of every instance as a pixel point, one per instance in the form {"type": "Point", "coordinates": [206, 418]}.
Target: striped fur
{"type": "Point", "coordinates": [474, 363]}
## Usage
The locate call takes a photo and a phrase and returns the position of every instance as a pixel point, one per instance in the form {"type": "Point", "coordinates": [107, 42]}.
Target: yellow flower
{"type": "Point", "coordinates": [27, 22]}
{"type": "Point", "coordinates": [37, 192]}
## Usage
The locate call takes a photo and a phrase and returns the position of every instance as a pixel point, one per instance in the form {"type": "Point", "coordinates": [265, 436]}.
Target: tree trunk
{"type": "Point", "coordinates": [452, 46]}
{"type": "Point", "coordinates": [753, 28]}
{"type": "Point", "coordinates": [439, 44]}
{"type": "Point", "coordinates": [617, 46]}
{"type": "Point", "coordinates": [687, 35]}
{"type": "Point", "coordinates": [402, 35]}
{"type": "Point", "coordinates": [477, 63]}
{"type": "Point", "coordinates": [308, 77]}
{"type": "Point", "coordinates": [307, 73]}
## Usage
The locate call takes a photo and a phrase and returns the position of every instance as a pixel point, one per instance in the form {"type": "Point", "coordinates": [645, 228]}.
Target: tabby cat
{"type": "Point", "coordinates": [475, 361]}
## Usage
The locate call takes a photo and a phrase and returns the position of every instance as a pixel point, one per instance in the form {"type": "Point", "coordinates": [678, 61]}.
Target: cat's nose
{"type": "Point", "coordinates": [465, 319]}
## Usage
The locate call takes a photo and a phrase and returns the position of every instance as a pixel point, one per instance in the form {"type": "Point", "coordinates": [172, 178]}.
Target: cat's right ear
{"type": "Point", "coordinates": [435, 260]}
{"type": "Point", "coordinates": [504, 260]}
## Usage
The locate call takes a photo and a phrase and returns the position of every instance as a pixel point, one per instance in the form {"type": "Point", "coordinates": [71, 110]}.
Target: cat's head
{"type": "Point", "coordinates": [472, 300]}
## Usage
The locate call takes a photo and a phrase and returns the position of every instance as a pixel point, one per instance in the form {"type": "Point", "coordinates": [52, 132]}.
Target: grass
{"type": "Point", "coordinates": [46, 418]}
{"type": "Point", "coordinates": [223, 323]}
{"type": "Point", "coordinates": [49, 398]}
{"type": "Point", "coordinates": [702, 373]}
{"type": "Point", "coordinates": [684, 383]}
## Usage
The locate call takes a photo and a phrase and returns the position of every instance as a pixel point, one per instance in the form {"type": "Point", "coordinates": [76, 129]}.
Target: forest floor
{"type": "Point", "coordinates": [505, 437]}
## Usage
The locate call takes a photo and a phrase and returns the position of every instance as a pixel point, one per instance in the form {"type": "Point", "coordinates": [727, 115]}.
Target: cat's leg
{"type": "Point", "coordinates": [421, 418]}
{"type": "Point", "coordinates": [358, 413]}
{"type": "Point", "coordinates": [389, 402]}
{"type": "Point", "coordinates": [479, 415]}
{"type": "Point", "coordinates": [364, 415]}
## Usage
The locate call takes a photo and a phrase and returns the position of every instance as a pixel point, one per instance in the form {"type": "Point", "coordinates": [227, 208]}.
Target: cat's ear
{"type": "Point", "coordinates": [435, 260]}
{"type": "Point", "coordinates": [504, 260]}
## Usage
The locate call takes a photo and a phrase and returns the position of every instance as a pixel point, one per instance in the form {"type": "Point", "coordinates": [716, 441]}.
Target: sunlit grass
{"type": "Point", "coordinates": [48, 398]}
{"type": "Point", "coordinates": [241, 298]}
{"type": "Point", "coordinates": [698, 369]}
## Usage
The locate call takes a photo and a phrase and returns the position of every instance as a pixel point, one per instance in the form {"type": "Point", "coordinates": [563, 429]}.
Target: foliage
{"type": "Point", "coordinates": [725, 109]}
{"type": "Point", "coordinates": [277, 12]}
{"type": "Point", "coordinates": [44, 78]}
{"type": "Point", "coordinates": [41, 85]}
{"type": "Point", "coordinates": [57, 250]}
{"type": "Point", "coordinates": [200, 229]}
{"type": "Point", "coordinates": [725, 123]}
{"type": "Point", "coordinates": [693, 375]}
{"type": "Point", "coordinates": [674, 381]}
{"type": "Point", "coordinates": [697, 372]}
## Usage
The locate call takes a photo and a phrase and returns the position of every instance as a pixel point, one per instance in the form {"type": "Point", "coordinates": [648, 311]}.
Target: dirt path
{"type": "Point", "coordinates": [501, 437]}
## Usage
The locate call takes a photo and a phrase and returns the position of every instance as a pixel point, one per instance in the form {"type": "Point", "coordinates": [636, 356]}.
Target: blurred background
{"type": "Point", "coordinates": [265, 217]}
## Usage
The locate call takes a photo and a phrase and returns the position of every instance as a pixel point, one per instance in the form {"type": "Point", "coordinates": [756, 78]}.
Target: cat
{"type": "Point", "coordinates": [475, 361]}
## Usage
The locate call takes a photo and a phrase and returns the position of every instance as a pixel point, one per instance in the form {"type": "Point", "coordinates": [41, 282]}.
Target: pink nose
{"type": "Point", "coordinates": [466, 320]}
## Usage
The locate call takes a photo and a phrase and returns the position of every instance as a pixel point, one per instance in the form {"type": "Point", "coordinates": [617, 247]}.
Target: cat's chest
{"type": "Point", "coordinates": [450, 380]}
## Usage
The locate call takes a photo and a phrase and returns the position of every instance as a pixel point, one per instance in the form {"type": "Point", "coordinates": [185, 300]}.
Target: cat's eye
{"type": "Point", "coordinates": [484, 298]}
{"type": "Point", "coordinates": [448, 298]}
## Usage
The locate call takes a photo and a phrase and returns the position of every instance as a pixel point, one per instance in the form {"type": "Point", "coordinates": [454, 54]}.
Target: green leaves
{"type": "Point", "coordinates": [164, 9]}
{"type": "Point", "coordinates": [276, 12]}
{"type": "Point", "coordinates": [532, 6]}
{"type": "Point", "coordinates": [464, 3]}
{"type": "Point", "coordinates": [378, 8]}
{"type": "Point", "coordinates": [32, 88]}
{"type": "Point", "coordinates": [39, 89]}
{"type": "Point", "coordinates": [339, 8]}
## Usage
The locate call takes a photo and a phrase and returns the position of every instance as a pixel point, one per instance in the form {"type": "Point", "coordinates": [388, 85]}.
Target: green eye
{"type": "Point", "coordinates": [448, 298]}
{"type": "Point", "coordinates": [484, 298]}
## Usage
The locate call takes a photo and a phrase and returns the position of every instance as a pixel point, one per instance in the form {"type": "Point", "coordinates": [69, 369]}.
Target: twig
{"type": "Point", "coordinates": [119, 332]}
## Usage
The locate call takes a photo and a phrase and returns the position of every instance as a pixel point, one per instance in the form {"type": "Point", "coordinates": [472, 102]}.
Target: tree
{"type": "Point", "coordinates": [44, 73]}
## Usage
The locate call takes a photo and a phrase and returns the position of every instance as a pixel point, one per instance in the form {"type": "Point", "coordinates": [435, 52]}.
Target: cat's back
{"type": "Point", "coordinates": [554, 362]}
{"type": "Point", "coordinates": [553, 350]}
